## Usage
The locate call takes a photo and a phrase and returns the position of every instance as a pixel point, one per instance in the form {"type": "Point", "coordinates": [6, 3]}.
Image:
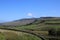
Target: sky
{"type": "Point", "coordinates": [18, 9]}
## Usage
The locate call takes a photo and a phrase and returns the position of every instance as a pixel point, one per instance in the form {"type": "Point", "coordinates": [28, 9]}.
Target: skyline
{"type": "Point", "coordinates": [17, 9]}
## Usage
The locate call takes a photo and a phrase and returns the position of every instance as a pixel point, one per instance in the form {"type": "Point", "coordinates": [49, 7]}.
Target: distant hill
{"type": "Point", "coordinates": [20, 22]}
{"type": "Point", "coordinates": [28, 21]}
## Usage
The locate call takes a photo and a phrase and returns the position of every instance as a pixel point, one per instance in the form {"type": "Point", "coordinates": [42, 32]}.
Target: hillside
{"type": "Point", "coordinates": [49, 27]}
{"type": "Point", "coordinates": [26, 21]}
{"type": "Point", "coordinates": [34, 23]}
{"type": "Point", "coordinates": [20, 22]}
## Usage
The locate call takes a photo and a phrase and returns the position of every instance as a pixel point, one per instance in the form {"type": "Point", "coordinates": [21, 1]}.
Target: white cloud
{"type": "Point", "coordinates": [30, 14]}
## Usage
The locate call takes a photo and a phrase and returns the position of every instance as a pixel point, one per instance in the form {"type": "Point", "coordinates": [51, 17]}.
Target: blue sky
{"type": "Point", "coordinates": [18, 9]}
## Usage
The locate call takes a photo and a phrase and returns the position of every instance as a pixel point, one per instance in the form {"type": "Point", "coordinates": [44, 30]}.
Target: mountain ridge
{"type": "Point", "coordinates": [27, 21]}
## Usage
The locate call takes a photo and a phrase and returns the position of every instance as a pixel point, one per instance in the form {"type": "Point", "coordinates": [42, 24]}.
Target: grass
{"type": "Point", "coordinates": [17, 36]}
{"type": "Point", "coordinates": [41, 32]}
{"type": "Point", "coordinates": [2, 37]}
{"type": "Point", "coordinates": [46, 28]}
{"type": "Point", "coordinates": [27, 27]}
{"type": "Point", "coordinates": [29, 37]}
{"type": "Point", "coordinates": [42, 29]}
{"type": "Point", "coordinates": [52, 21]}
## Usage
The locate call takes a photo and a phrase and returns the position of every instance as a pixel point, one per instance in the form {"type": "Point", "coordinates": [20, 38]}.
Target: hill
{"type": "Point", "coordinates": [20, 22]}
{"type": "Point", "coordinates": [26, 21]}
{"type": "Point", "coordinates": [45, 26]}
{"type": "Point", "coordinates": [42, 23]}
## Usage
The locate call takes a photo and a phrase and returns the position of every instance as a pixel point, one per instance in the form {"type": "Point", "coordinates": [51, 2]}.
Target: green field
{"type": "Point", "coordinates": [17, 36]}
{"type": "Point", "coordinates": [38, 27]}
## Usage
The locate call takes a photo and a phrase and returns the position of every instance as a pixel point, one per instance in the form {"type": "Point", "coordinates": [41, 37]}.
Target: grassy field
{"type": "Point", "coordinates": [37, 27]}
{"type": "Point", "coordinates": [12, 35]}
{"type": "Point", "coordinates": [2, 37]}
